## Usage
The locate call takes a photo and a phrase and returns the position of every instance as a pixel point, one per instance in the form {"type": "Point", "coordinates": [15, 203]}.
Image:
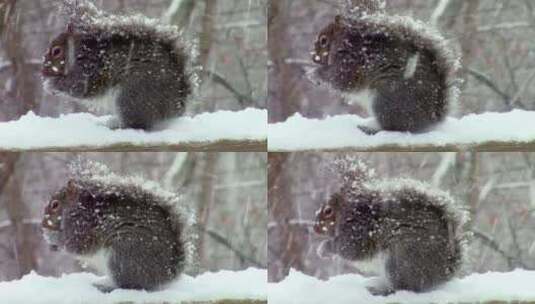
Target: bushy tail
{"type": "Point", "coordinates": [80, 12]}
{"type": "Point", "coordinates": [184, 218]}
{"type": "Point", "coordinates": [456, 213]}
{"type": "Point", "coordinates": [353, 172]}
{"type": "Point", "coordinates": [360, 8]}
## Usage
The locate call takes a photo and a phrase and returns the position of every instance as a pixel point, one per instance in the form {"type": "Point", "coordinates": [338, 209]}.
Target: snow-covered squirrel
{"type": "Point", "coordinates": [402, 69]}
{"type": "Point", "coordinates": [411, 232]}
{"type": "Point", "coordinates": [134, 65]}
{"type": "Point", "coordinates": [135, 237]}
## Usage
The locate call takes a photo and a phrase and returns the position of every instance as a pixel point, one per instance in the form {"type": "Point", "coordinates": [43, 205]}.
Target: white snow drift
{"type": "Point", "coordinates": [298, 288]}
{"type": "Point", "coordinates": [77, 288]}
{"type": "Point", "coordinates": [84, 129]}
{"type": "Point", "coordinates": [337, 132]}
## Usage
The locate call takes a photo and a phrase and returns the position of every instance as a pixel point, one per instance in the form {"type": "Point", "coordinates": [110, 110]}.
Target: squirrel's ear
{"type": "Point", "coordinates": [71, 183]}
{"type": "Point", "coordinates": [72, 189]}
{"type": "Point", "coordinates": [70, 28]}
{"type": "Point", "coordinates": [73, 28]}
{"type": "Point", "coordinates": [338, 19]}
{"type": "Point", "coordinates": [337, 200]}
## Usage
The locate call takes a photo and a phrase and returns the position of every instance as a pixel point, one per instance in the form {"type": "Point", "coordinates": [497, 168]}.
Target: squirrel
{"type": "Point", "coordinates": [139, 66]}
{"type": "Point", "coordinates": [135, 237]}
{"type": "Point", "coordinates": [402, 68]}
{"type": "Point", "coordinates": [413, 231]}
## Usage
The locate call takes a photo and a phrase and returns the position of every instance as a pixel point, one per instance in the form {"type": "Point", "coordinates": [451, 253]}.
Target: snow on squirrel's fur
{"type": "Point", "coordinates": [354, 171]}
{"type": "Point", "coordinates": [358, 177]}
{"type": "Point", "coordinates": [99, 174]}
{"type": "Point", "coordinates": [362, 7]}
{"type": "Point", "coordinates": [371, 13]}
{"type": "Point", "coordinates": [85, 17]}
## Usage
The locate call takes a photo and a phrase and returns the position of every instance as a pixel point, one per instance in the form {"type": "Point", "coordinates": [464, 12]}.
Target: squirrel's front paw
{"type": "Point", "coordinates": [378, 287]}
{"type": "Point", "coordinates": [114, 123]}
{"type": "Point", "coordinates": [105, 285]}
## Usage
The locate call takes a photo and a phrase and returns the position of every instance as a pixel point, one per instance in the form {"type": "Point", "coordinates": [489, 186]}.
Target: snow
{"type": "Point", "coordinates": [77, 288]}
{"type": "Point", "coordinates": [493, 286]}
{"type": "Point", "coordinates": [337, 132]}
{"type": "Point", "coordinates": [84, 129]}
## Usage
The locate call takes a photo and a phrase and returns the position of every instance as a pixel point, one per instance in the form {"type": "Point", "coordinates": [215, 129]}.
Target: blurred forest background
{"type": "Point", "coordinates": [228, 190]}
{"type": "Point", "coordinates": [494, 38]}
{"type": "Point", "coordinates": [497, 188]}
{"type": "Point", "coordinates": [231, 35]}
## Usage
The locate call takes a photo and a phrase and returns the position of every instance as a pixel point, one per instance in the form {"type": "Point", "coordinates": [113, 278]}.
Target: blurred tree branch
{"type": "Point", "coordinates": [8, 162]}
{"type": "Point", "coordinates": [206, 37]}
{"type": "Point", "coordinates": [11, 37]}
{"type": "Point", "coordinates": [484, 79]}
{"type": "Point", "coordinates": [492, 244]}
{"type": "Point", "coordinates": [284, 93]}
{"type": "Point", "coordinates": [179, 12]}
{"type": "Point", "coordinates": [17, 210]}
{"type": "Point", "coordinates": [243, 100]}
{"type": "Point", "coordinates": [288, 254]}
{"type": "Point", "coordinates": [207, 196]}
{"type": "Point", "coordinates": [33, 64]}
{"type": "Point", "coordinates": [225, 242]}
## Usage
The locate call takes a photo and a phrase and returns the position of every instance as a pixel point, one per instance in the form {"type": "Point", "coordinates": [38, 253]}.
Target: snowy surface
{"type": "Point", "coordinates": [77, 288]}
{"type": "Point", "coordinates": [337, 132]}
{"type": "Point", "coordinates": [299, 288]}
{"type": "Point", "coordinates": [84, 129]}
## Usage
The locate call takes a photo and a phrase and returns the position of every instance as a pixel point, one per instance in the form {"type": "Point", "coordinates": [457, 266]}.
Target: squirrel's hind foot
{"type": "Point", "coordinates": [113, 123]}
{"type": "Point", "coordinates": [105, 285]}
{"type": "Point", "coordinates": [380, 291]}
{"type": "Point", "coordinates": [370, 127]}
{"type": "Point", "coordinates": [369, 130]}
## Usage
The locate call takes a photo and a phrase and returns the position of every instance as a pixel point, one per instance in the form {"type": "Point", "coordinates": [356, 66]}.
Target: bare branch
{"type": "Point", "coordinates": [223, 241]}
{"type": "Point", "coordinates": [492, 244]}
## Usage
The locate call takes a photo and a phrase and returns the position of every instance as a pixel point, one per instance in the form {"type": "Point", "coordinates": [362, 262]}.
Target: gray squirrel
{"type": "Point", "coordinates": [403, 70]}
{"type": "Point", "coordinates": [413, 232]}
{"type": "Point", "coordinates": [135, 237]}
{"type": "Point", "coordinates": [131, 64]}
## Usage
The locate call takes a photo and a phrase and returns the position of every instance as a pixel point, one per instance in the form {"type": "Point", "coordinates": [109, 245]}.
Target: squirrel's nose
{"type": "Point", "coordinates": [316, 58]}
{"type": "Point", "coordinates": [49, 69]}
{"type": "Point", "coordinates": [47, 223]}
{"type": "Point", "coordinates": [320, 58]}
{"type": "Point", "coordinates": [318, 228]}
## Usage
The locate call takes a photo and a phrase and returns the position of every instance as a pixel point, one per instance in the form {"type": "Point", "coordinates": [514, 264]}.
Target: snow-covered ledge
{"type": "Point", "coordinates": [511, 131]}
{"type": "Point", "coordinates": [228, 287]}
{"type": "Point", "coordinates": [244, 130]}
{"type": "Point", "coordinates": [503, 288]}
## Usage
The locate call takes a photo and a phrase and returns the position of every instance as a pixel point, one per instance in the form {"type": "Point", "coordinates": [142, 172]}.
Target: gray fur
{"type": "Point", "coordinates": [374, 52]}
{"type": "Point", "coordinates": [417, 229]}
{"type": "Point", "coordinates": [146, 63]}
{"type": "Point", "coordinates": [143, 235]}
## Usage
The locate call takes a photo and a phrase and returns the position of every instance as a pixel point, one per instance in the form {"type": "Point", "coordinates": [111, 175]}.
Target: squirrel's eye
{"type": "Point", "coordinates": [323, 41]}
{"type": "Point", "coordinates": [328, 212]}
{"type": "Point", "coordinates": [56, 51]}
{"type": "Point", "coordinates": [54, 204]}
